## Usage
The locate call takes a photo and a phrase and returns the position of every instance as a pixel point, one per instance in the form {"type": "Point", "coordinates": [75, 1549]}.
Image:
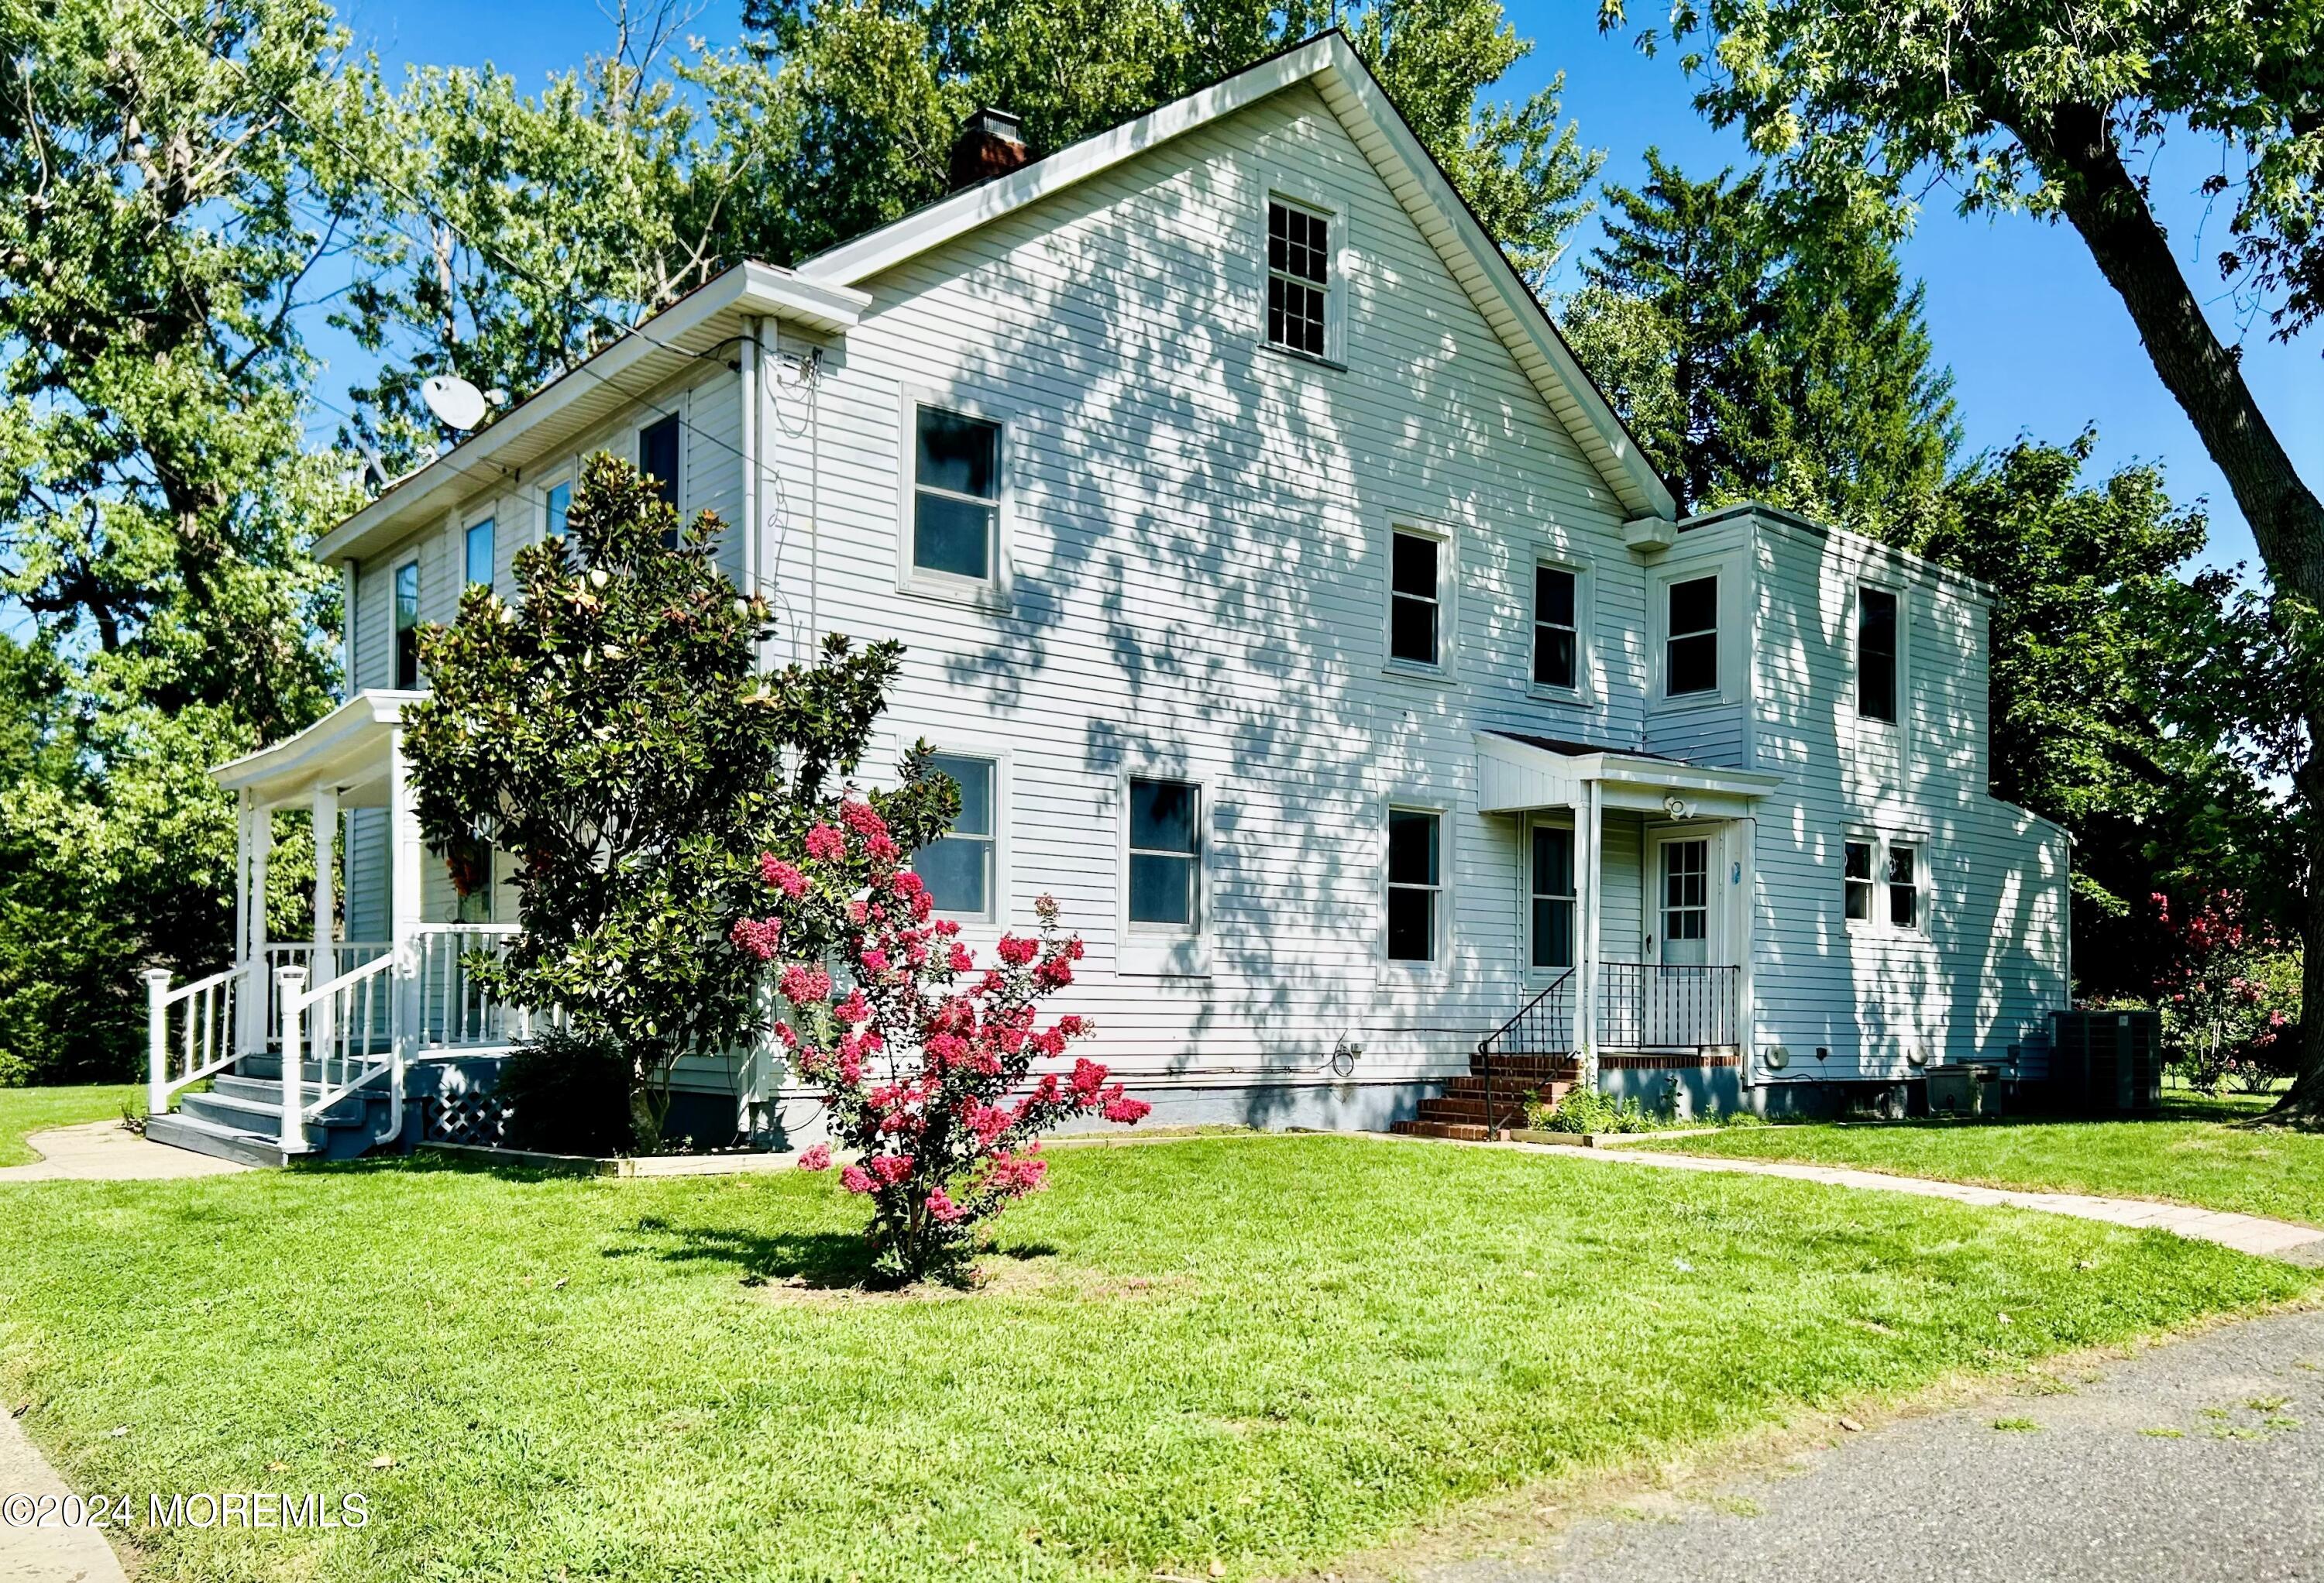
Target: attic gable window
{"type": "Point", "coordinates": [1298, 277]}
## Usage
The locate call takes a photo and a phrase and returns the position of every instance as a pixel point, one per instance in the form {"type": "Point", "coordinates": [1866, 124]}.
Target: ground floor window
{"type": "Point", "coordinates": [1870, 864]}
{"type": "Point", "coordinates": [1165, 853]}
{"type": "Point", "coordinates": [1856, 880]}
{"type": "Point", "coordinates": [958, 865]}
{"type": "Point", "coordinates": [1553, 896]}
{"type": "Point", "coordinates": [1904, 886]}
{"type": "Point", "coordinates": [1415, 883]}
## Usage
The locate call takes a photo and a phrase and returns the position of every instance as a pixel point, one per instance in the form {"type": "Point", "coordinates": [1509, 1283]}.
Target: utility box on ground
{"type": "Point", "coordinates": [1964, 1090]}
{"type": "Point", "coordinates": [2105, 1063]}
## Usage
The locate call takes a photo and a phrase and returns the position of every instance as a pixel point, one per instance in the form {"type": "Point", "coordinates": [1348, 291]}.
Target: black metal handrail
{"type": "Point", "coordinates": [1544, 1025]}
{"type": "Point", "coordinates": [1662, 1006]}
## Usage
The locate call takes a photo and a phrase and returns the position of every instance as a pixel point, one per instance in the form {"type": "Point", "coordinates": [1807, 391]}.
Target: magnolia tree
{"type": "Point", "coordinates": [924, 1058]}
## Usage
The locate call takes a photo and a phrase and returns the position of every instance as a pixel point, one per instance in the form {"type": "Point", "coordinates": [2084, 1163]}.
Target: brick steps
{"type": "Point", "coordinates": [1459, 1111]}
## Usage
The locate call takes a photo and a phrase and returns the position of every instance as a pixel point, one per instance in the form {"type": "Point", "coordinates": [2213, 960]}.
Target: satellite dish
{"type": "Point", "coordinates": [457, 403]}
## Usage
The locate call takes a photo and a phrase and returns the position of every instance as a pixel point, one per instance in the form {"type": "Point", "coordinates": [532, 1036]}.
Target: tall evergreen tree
{"type": "Point", "coordinates": [1763, 351]}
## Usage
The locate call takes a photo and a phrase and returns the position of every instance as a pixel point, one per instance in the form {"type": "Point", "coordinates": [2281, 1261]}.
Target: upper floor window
{"type": "Point", "coordinates": [557, 506]}
{"type": "Point", "coordinates": [1875, 654]}
{"type": "Point", "coordinates": [1691, 641]}
{"type": "Point", "coordinates": [658, 456]}
{"type": "Point", "coordinates": [1416, 883]}
{"type": "Point", "coordinates": [1556, 638]}
{"type": "Point", "coordinates": [958, 866]}
{"type": "Point", "coordinates": [407, 626]}
{"type": "Point", "coordinates": [480, 548]}
{"type": "Point", "coordinates": [1298, 277]}
{"type": "Point", "coordinates": [1165, 853]}
{"type": "Point", "coordinates": [1414, 626]}
{"type": "Point", "coordinates": [955, 494]}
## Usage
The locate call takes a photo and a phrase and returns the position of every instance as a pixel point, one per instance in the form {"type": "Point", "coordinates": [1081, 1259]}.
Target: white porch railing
{"type": "Point", "coordinates": [192, 1031]}
{"type": "Point", "coordinates": [380, 1008]}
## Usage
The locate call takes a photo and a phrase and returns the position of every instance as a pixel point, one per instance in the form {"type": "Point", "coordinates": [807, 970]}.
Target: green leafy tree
{"type": "Point", "coordinates": [158, 218]}
{"type": "Point", "coordinates": [2047, 108]}
{"type": "Point", "coordinates": [1763, 350]}
{"type": "Point", "coordinates": [2098, 618]}
{"type": "Point", "coordinates": [526, 232]}
{"type": "Point", "coordinates": [610, 728]}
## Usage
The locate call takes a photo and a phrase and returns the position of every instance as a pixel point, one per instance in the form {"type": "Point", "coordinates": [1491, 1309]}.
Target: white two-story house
{"type": "Point", "coordinates": [1288, 603]}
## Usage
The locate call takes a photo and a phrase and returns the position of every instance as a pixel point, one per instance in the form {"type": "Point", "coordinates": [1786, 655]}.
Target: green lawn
{"type": "Point", "coordinates": [1267, 1352]}
{"type": "Point", "coordinates": [2193, 1153]}
{"type": "Point", "coordinates": [24, 1111]}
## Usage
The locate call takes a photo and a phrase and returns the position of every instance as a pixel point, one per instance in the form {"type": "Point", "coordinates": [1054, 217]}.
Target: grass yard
{"type": "Point", "coordinates": [1262, 1352]}
{"type": "Point", "coordinates": [24, 1111]}
{"type": "Point", "coordinates": [2193, 1153]}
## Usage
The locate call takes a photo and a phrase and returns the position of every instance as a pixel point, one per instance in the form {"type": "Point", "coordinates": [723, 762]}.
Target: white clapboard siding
{"type": "Point", "coordinates": [1197, 538]}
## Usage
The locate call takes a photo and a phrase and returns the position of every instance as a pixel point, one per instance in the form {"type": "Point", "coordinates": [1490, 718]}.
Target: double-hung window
{"type": "Point", "coordinates": [657, 460]}
{"type": "Point", "coordinates": [1856, 880]}
{"type": "Point", "coordinates": [1904, 886]}
{"type": "Point", "coordinates": [407, 626]}
{"type": "Point", "coordinates": [1416, 883]}
{"type": "Point", "coordinates": [1691, 640]}
{"type": "Point", "coordinates": [1166, 854]}
{"type": "Point", "coordinates": [555, 508]}
{"type": "Point", "coordinates": [1416, 604]}
{"type": "Point", "coordinates": [955, 494]}
{"type": "Point", "coordinates": [1867, 866]}
{"type": "Point", "coordinates": [1298, 277]}
{"type": "Point", "coordinates": [959, 867]}
{"type": "Point", "coordinates": [1875, 654]}
{"type": "Point", "coordinates": [480, 548]}
{"type": "Point", "coordinates": [1556, 640]}
{"type": "Point", "coordinates": [1553, 896]}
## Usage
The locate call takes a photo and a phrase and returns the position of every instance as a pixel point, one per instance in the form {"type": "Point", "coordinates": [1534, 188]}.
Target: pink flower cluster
{"type": "Point", "coordinates": [939, 1075]}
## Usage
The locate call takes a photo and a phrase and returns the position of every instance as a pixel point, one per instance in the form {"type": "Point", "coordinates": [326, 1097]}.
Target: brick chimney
{"type": "Point", "coordinates": [991, 144]}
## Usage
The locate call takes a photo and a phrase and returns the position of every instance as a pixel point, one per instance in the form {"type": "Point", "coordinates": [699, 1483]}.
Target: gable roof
{"type": "Point", "coordinates": [1330, 64]}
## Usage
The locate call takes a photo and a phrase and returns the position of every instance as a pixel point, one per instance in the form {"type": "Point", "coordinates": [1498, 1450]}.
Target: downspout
{"type": "Point", "coordinates": [747, 379]}
{"type": "Point", "coordinates": [1746, 1011]}
{"type": "Point", "coordinates": [347, 688]}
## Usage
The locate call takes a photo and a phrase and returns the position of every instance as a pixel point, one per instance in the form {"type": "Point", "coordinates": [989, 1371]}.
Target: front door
{"type": "Point", "coordinates": [1681, 922]}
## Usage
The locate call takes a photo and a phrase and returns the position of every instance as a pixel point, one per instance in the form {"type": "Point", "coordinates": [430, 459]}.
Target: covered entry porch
{"type": "Point", "coordinates": [1634, 894]}
{"type": "Point", "coordinates": [305, 1046]}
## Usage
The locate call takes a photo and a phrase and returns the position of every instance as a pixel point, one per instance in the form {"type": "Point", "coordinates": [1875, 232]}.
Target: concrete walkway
{"type": "Point", "coordinates": [2199, 1462]}
{"type": "Point", "coordinates": [49, 1552]}
{"type": "Point", "coordinates": [2252, 1234]}
{"type": "Point", "coordinates": [106, 1151]}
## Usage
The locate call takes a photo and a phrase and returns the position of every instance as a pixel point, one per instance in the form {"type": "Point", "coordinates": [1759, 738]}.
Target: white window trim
{"type": "Point", "coordinates": [469, 526]}
{"type": "Point", "coordinates": [979, 594]}
{"type": "Point", "coordinates": [1448, 600]}
{"type": "Point", "coordinates": [1160, 950]}
{"type": "Point", "coordinates": [567, 473]}
{"type": "Point", "coordinates": [1545, 821]}
{"type": "Point", "coordinates": [1584, 689]}
{"type": "Point", "coordinates": [1878, 926]}
{"type": "Point", "coordinates": [1279, 186]}
{"type": "Point", "coordinates": [1732, 568]}
{"type": "Point", "coordinates": [1438, 965]}
{"type": "Point", "coordinates": [1855, 653]}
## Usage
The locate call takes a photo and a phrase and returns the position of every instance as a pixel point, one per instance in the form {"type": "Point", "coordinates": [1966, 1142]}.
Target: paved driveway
{"type": "Point", "coordinates": [2196, 1461]}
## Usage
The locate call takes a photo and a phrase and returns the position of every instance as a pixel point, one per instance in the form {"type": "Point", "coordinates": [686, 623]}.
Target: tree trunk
{"type": "Point", "coordinates": [2073, 146]}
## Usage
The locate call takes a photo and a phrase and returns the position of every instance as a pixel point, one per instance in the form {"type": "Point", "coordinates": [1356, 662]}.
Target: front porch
{"type": "Point", "coordinates": [306, 1046]}
{"type": "Point", "coordinates": [1634, 891]}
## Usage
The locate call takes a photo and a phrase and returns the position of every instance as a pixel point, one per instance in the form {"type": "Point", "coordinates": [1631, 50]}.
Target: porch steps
{"type": "Point", "coordinates": [1459, 1111]}
{"type": "Point", "coordinates": [241, 1116]}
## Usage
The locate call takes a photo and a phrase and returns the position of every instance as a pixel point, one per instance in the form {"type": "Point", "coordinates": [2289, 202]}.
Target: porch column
{"type": "Point", "coordinates": [403, 918]}
{"type": "Point", "coordinates": [254, 1003]}
{"type": "Point", "coordinates": [324, 967]}
{"type": "Point", "coordinates": [1590, 859]}
{"type": "Point", "coordinates": [1745, 905]}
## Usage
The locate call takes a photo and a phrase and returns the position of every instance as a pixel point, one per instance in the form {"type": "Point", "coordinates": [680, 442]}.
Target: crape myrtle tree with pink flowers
{"type": "Point", "coordinates": [924, 1057]}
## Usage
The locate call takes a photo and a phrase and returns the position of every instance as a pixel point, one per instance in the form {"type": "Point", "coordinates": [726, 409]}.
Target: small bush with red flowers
{"type": "Point", "coordinates": [2227, 992]}
{"type": "Point", "coordinates": [924, 1057]}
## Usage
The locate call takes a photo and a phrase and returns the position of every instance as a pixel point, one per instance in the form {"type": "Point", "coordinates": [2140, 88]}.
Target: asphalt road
{"type": "Point", "coordinates": [2196, 1461]}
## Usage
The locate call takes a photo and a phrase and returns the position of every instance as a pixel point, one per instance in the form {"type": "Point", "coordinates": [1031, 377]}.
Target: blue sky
{"type": "Point", "coordinates": [2038, 343]}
